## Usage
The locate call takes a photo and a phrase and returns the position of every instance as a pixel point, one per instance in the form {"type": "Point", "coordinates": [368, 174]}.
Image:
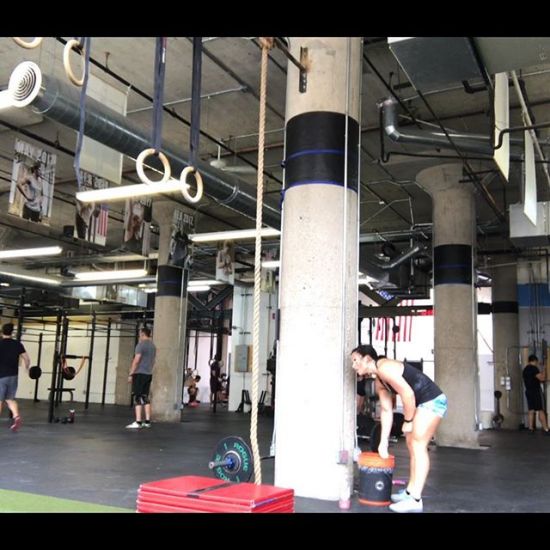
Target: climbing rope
{"type": "Point", "coordinates": [267, 44]}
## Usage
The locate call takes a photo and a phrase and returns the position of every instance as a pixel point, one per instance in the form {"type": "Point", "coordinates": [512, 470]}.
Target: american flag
{"type": "Point", "coordinates": [404, 322]}
{"type": "Point", "coordinates": [98, 226]}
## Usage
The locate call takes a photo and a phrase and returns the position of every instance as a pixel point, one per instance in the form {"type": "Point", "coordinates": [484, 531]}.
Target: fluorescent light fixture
{"type": "Point", "coordinates": [125, 191]}
{"type": "Point", "coordinates": [271, 264]}
{"type": "Point", "coordinates": [24, 252]}
{"type": "Point", "coordinates": [150, 290]}
{"type": "Point", "coordinates": [113, 274]}
{"type": "Point", "coordinates": [6, 100]}
{"type": "Point", "coordinates": [198, 288]}
{"type": "Point", "coordinates": [205, 282]}
{"type": "Point", "coordinates": [46, 280]}
{"type": "Point", "coordinates": [233, 235]}
{"type": "Point", "coordinates": [4, 284]}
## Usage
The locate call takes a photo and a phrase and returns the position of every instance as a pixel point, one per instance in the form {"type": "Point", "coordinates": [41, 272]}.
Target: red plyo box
{"type": "Point", "coordinates": [205, 494]}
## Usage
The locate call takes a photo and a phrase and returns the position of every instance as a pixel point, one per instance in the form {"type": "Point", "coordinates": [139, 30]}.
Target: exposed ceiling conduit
{"type": "Point", "coordinates": [398, 260]}
{"type": "Point", "coordinates": [60, 103]}
{"type": "Point", "coordinates": [380, 271]}
{"type": "Point", "coordinates": [473, 143]}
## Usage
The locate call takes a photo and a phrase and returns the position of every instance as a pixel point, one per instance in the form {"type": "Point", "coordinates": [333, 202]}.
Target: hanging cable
{"type": "Point", "coordinates": [267, 44]}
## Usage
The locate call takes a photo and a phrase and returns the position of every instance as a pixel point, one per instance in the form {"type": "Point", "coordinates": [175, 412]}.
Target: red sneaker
{"type": "Point", "coordinates": [16, 424]}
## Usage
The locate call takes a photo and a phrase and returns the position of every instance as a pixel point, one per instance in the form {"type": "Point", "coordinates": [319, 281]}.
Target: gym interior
{"type": "Point", "coordinates": [261, 206]}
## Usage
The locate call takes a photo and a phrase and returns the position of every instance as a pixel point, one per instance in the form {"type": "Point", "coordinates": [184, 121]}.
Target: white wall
{"type": "Point", "coordinates": [241, 334]}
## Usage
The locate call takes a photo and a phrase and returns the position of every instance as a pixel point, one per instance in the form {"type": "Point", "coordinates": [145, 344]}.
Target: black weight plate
{"type": "Point", "coordinates": [35, 372]}
{"type": "Point", "coordinates": [69, 373]}
{"type": "Point", "coordinates": [238, 450]}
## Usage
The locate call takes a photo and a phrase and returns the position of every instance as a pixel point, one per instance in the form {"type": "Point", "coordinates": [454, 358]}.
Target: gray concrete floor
{"type": "Point", "coordinates": [98, 460]}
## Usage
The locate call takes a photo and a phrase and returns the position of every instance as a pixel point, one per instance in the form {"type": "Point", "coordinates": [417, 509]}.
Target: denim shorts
{"type": "Point", "coordinates": [438, 405]}
{"type": "Point", "coordinates": [8, 387]}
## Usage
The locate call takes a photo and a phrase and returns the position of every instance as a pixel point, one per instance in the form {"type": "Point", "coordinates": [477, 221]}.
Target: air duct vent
{"type": "Point", "coordinates": [25, 83]}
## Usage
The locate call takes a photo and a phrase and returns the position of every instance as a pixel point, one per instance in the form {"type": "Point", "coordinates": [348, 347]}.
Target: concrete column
{"type": "Point", "coordinates": [455, 350]}
{"type": "Point", "coordinates": [315, 389]}
{"type": "Point", "coordinates": [506, 340]}
{"type": "Point", "coordinates": [126, 348]}
{"type": "Point", "coordinates": [170, 324]}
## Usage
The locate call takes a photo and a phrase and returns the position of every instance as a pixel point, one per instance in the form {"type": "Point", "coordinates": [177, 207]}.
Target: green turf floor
{"type": "Point", "coordinates": [15, 501]}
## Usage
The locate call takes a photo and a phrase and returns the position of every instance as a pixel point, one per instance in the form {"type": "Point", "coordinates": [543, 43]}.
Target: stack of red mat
{"type": "Point", "coordinates": [206, 494]}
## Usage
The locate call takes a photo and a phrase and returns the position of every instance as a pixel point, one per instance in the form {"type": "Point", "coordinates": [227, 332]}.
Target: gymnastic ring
{"type": "Point", "coordinates": [28, 45]}
{"type": "Point", "coordinates": [185, 186]}
{"type": "Point", "coordinates": [70, 45]}
{"type": "Point", "coordinates": [166, 165]}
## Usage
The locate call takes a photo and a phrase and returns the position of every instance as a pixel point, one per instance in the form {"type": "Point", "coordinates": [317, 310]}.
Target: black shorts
{"type": "Point", "coordinates": [534, 400]}
{"type": "Point", "coordinates": [141, 384]}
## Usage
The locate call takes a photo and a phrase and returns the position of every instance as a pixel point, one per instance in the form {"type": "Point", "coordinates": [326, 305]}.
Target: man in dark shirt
{"type": "Point", "coordinates": [532, 378]}
{"type": "Point", "coordinates": [10, 352]}
{"type": "Point", "coordinates": [215, 372]}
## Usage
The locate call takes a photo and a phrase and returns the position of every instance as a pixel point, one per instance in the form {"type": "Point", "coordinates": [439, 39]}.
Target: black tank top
{"type": "Point", "coordinates": [423, 387]}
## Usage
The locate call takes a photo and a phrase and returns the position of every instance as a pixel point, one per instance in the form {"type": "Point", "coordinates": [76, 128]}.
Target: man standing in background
{"type": "Point", "coordinates": [532, 378]}
{"type": "Point", "coordinates": [141, 374]}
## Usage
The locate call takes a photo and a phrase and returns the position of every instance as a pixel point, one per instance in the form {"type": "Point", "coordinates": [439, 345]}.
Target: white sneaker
{"type": "Point", "coordinates": [146, 424]}
{"type": "Point", "coordinates": [134, 426]}
{"type": "Point", "coordinates": [400, 495]}
{"type": "Point", "coordinates": [407, 506]}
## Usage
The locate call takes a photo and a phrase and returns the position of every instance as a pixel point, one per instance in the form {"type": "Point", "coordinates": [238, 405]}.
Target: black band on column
{"type": "Point", "coordinates": [169, 280]}
{"type": "Point", "coordinates": [453, 264]}
{"type": "Point", "coordinates": [315, 150]}
{"type": "Point", "coordinates": [505, 307]}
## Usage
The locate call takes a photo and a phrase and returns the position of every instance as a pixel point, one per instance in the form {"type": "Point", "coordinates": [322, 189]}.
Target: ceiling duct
{"type": "Point", "coordinates": [434, 62]}
{"type": "Point", "coordinates": [60, 102]}
{"type": "Point", "coordinates": [473, 143]}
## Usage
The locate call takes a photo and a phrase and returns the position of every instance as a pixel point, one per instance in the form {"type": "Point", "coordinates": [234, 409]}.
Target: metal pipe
{"type": "Point", "coordinates": [467, 142]}
{"type": "Point", "coordinates": [60, 102]}
{"type": "Point", "coordinates": [527, 117]}
{"type": "Point", "coordinates": [107, 346]}
{"type": "Point", "coordinates": [398, 260]}
{"type": "Point", "coordinates": [35, 399]}
{"type": "Point", "coordinates": [56, 358]}
{"type": "Point", "coordinates": [90, 359]}
{"type": "Point", "coordinates": [474, 143]}
{"type": "Point", "coordinates": [187, 99]}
